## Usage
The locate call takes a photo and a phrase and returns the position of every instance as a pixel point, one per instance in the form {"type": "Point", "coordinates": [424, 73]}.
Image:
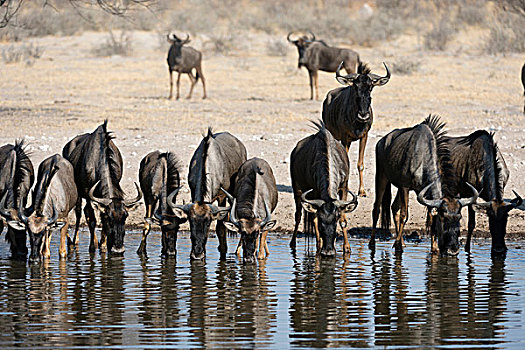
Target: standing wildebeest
{"type": "Point", "coordinates": [319, 166]}
{"type": "Point", "coordinates": [16, 178]}
{"type": "Point", "coordinates": [477, 160]}
{"type": "Point", "coordinates": [54, 196]}
{"type": "Point", "coordinates": [418, 159]}
{"type": "Point", "coordinates": [254, 199]}
{"type": "Point", "coordinates": [183, 59]}
{"type": "Point", "coordinates": [347, 111]}
{"type": "Point", "coordinates": [523, 83]}
{"type": "Point", "coordinates": [213, 166]}
{"type": "Point", "coordinates": [159, 175]}
{"type": "Point", "coordinates": [98, 170]}
{"type": "Point", "coordinates": [317, 55]}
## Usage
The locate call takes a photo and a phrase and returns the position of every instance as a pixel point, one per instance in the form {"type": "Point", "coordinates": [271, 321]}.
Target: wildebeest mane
{"type": "Point", "coordinates": [113, 161]}
{"type": "Point", "coordinates": [43, 181]}
{"type": "Point", "coordinates": [446, 169]}
{"type": "Point", "coordinates": [362, 68]}
{"type": "Point", "coordinates": [322, 163]}
{"type": "Point", "coordinates": [202, 189]}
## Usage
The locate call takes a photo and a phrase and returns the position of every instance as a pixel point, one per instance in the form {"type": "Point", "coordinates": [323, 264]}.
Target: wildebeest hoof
{"type": "Point", "coordinates": [372, 244]}
{"type": "Point", "coordinates": [362, 193]}
{"type": "Point", "coordinates": [347, 250]}
{"type": "Point", "coordinates": [204, 97]}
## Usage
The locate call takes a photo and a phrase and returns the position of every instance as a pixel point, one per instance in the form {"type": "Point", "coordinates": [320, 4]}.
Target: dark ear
{"type": "Point", "coordinates": [481, 207]}
{"type": "Point", "coordinates": [269, 225]}
{"type": "Point", "coordinates": [58, 225]}
{"type": "Point", "coordinates": [230, 226]}
{"type": "Point", "coordinates": [347, 80]}
{"type": "Point", "coordinates": [171, 41]}
{"type": "Point", "coordinates": [348, 207]}
{"type": "Point", "coordinates": [17, 225]}
{"type": "Point", "coordinates": [220, 214]}
{"type": "Point", "coordinates": [309, 207]}
{"type": "Point", "coordinates": [98, 206]}
{"type": "Point", "coordinates": [181, 214]}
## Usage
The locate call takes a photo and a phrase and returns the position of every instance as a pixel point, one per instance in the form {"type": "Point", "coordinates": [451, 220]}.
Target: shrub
{"type": "Point", "coordinates": [114, 45]}
{"type": "Point", "coordinates": [28, 53]}
{"type": "Point", "coordinates": [277, 47]}
{"type": "Point", "coordinates": [506, 34]}
{"type": "Point", "coordinates": [440, 35]}
{"type": "Point", "coordinates": [405, 66]}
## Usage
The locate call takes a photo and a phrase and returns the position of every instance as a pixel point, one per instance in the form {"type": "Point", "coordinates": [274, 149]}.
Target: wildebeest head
{"type": "Point", "coordinates": [302, 44]}
{"type": "Point", "coordinates": [250, 229]}
{"type": "Point", "coordinates": [446, 216]}
{"type": "Point", "coordinates": [177, 43]}
{"type": "Point", "coordinates": [113, 215]}
{"type": "Point", "coordinates": [498, 213]}
{"type": "Point", "coordinates": [327, 214]}
{"type": "Point", "coordinates": [200, 216]}
{"type": "Point", "coordinates": [169, 224]}
{"type": "Point", "coordinates": [363, 81]}
{"type": "Point", "coordinates": [18, 246]}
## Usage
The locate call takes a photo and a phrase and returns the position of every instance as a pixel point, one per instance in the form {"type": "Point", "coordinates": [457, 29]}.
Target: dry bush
{"type": "Point", "coordinates": [277, 47]}
{"type": "Point", "coordinates": [507, 34]}
{"type": "Point", "coordinates": [405, 66]}
{"type": "Point", "coordinates": [440, 35]}
{"type": "Point", "coordinates": [27, 53]}
{"type": "Point", "coordinates": [222, 44]}
{"type": "Point", "coordinates": [121, 45]}
{"type": "Point", "coordinates": [472, 13]}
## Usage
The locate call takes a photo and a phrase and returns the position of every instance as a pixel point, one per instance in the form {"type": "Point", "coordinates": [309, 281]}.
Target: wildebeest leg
{"type": "Point", "coordinates": [434, 248]}
{"type": "Point", "coordinates": [147, 228]}
{"type": "Point", "coordinates": [471, 225]}
{"type": "Point", "coordinates": [178, 85]}
{"type": "Point", "coordinates": [263, 247]}
{"type": "Point", "coordinates": [298, 213]}
{"type": "Point", "coordinates": [46, 253]}
{"type": "Point", "coordinates": [199, 72]}
{"type": "Point", "coordinates": [221, 235]}
{"type": "Point", "coordinates": [401, 218]}
{"type": "Point", "coordinates": [315, 83]}
{"type": "Point", "coordinates": [319, 242]}
{"type": "Point", "coordinates": [78, 215]}
{"type": "Point", "coordinates": [193, 82]}
{"type": "Point", "coordinates": [381, 185]}
{"type": "Point", "coordinates": [239, 246]}
{"type": "Point", "coordinates": [92, 224]}
{"type": "Point", "coordinates": [343, 194]}
{"type": "Point", "coordinates": [360, 162]}
{"type": "Point", "coordinates": [311, 77]}
{"type": "Point", "coordinates": [171, 85]}
{"type": "Point", "coordinates": [63, 236]}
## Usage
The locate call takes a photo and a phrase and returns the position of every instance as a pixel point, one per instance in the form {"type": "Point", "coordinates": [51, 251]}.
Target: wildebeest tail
{"type": "Point", "coordinates": [309, 229]}
{"type": "Point", "coordinates": [197, 76]}
{"type": "Point", "coordinates": [385, 208]}
{"type": "Point", "coordinates": [173, 174]}
{"type": "Point", "coordinates": [23, 166]}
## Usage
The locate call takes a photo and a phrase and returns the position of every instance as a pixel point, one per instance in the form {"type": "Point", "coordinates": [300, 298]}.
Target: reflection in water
{"type": "Point", "coordinates": [415, 299]}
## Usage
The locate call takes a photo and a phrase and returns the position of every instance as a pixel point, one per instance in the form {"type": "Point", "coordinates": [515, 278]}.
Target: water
{"type": "Point", "coordinates": [416, 300]}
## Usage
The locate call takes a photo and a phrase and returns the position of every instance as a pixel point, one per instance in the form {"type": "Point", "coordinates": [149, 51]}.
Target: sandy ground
{"type": "Point", "coordinates": [260, 99]}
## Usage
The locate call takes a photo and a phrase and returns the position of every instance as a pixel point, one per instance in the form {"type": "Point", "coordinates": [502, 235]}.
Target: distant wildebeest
{"type": "Point", "coordinates": [54, 196]}
{"type": "Point", "coordinates": [159, 175]}
{"type": "Point", "coordinates": [254, 199]}
{"type": "Point", "coordinates": [319, 168]}
{"type": "Point", "coordinates": [477, 160]}
{"type": "Point", "coordinates": [213, 166]}
{"type": "Point", "coordinates": [16, 178]}
{"type": "Point", "coordinates": [418, 159]}
{"type": "Point", "coordinates": [183, 59]}
{"type": "Point", "coordinates": [98, 170]}
{"type": "Point", "coordinates": [523, 83]}
{"type": "Point", "coordinates": [316, 55]}
{"type": "Point", "coordinates": [347, 111]}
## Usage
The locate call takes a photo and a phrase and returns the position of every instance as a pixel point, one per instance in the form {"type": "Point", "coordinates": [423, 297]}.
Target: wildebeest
{"type": "Point", "coordinates": [159, 176]}
{"type": "Point", "coordinates": [523, 83]}
{"type": "Point", "coordinates": [213, 165]}
{"type": "Point", "coordinates": [347, 111]}
{"type": "Point", "coordinates": [183, 59]}
{"type": "Point", "coordinates": [54, 196]}
{"type": "Point", "coordinates": [16, 179]}
{"type": "Point", "coordinates": [254, 199]}
{"type": "Point", "coordinates": [316, 55]}
{"type": "Point", "coordinates": [418, 159]}
{"type": "Point", "coordinates": [477, 160]}
{"type": "Point", "coordinates": [319, 167]}
{"type": "Point", "coordinates": [98, 169]}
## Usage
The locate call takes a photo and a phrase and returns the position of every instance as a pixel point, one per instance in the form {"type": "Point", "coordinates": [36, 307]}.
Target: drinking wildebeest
{"type": "Point", "coordinates": [16, 178]}
{"type": "Point", "coordinates": [254, 199]}
{"type": "Point", "coordinates": [183, 59]}
{"type": "Point", "coordinates": [418, 159]}
{"type": "Point", "coordinates": [477, 160]}
{"type": "Point", "coordinates": [347, 111]}
{"type": "Point", "coordinates": [54, 196]}
{"type": "Point", "coordinates": [159, 175]}
{"type": "Point", "coordinates": [213, 166]}
{"type": "Point", "coordinates": [316, 55]}
{"type": "Point", "coordinates": [98, 169]}
{"type": "Point", "coordinates": [319, 167]}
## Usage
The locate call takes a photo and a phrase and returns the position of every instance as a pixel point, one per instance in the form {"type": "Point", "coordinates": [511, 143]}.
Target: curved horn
{"type": "Point", "coordinates": [312, 34]}
{"type": "Point", "coordinates": [288, 38]}
{"type": "Point", "coordinates": [103, 201]}
{"type": "Point", "coordinates": [233, 217]}
{"type": "Point", "coordinates": [268, 214]}
{"type": "Point", "coordinates": [187, 40]}
{"type": "Point", "coordinates": [157, 215]}
{"type": "Point", "coordinates": [315, 202]}
{"type": "Point", "coordinates": [516, 202]}
{"type": "Point", "coordinates": [130, 202]}
{"type": "Point", "coordinates": [468, 201]}
{"type": "Point", "coordinates": [172, 195]}
{"type": "Point", "coordinates": [378, 80]}
{"type": "Point", "coordinates": [340, 203]}
{"type": "Point", "coordinates": [53, 217]}
{"type": "Point", "coordinates": [230, 197]}
{"type": "Point", "coordinates": [432, 203]}
{"type": "Point", "coordinates": [338, 70]}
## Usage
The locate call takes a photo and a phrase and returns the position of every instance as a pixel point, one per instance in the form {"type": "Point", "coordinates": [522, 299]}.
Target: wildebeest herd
{"type": "Point", "coordinates": [447, 174]}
